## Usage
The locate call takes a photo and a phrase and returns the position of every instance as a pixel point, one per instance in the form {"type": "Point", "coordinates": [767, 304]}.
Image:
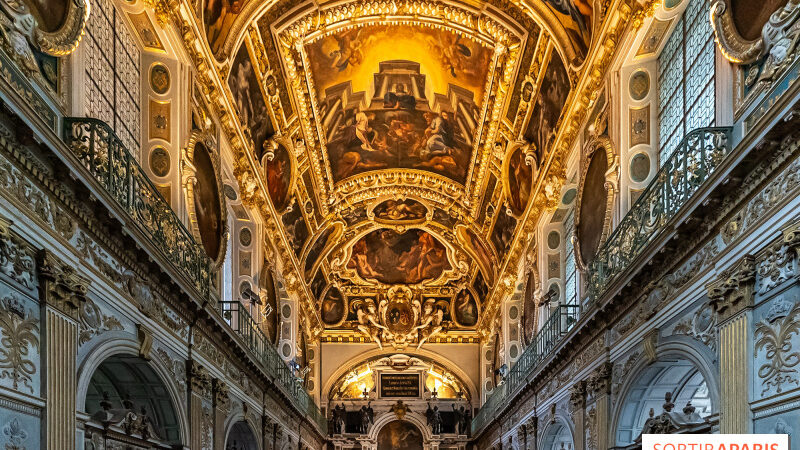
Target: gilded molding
{"type": "Point", "coordinates": [188, 180]}
{"type": "Point", "coordinates": [735, 48]}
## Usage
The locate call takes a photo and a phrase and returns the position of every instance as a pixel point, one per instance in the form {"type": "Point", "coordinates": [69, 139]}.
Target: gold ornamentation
{"type": "Point", "coordinates": [188, 180]}
{"type": "Point", "coordinates": [94, 323]}
{"type": "Point", "coordinates": [20, 337]}
{"type": "Point", "coordinates": [732, 45]}
{"type": "Point", "coordinates": [773, 334]}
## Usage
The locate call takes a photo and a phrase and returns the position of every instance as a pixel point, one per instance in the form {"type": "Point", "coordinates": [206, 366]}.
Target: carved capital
{"type": "Point", "coordinates": [577, 396]}
{"type": "Point", "coordinates": [734, 289]}
{"type": "Point", "coordinates": [198, 378]}
{"type": "Point", "coordinates": [791, 238]}
{"type": "Point", "coordinates": [61, 287]}
{"type": "Point", "coordinates": [221, 398]}
{"type": "Point", "coordinates": [599, 381]}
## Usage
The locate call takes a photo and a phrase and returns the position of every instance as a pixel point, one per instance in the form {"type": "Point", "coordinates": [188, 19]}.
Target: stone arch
{"type": "Point", "coordinates": [682, 367]}
{"type": "Point", "coordinates": [375, 353]}
{"type": "Point", "coordinates": [241, 435]}
{"type": "Point", "coordinates": [559, 430]}
{"type": "Point", "coordinates": [121, 344]}
{"type": "Point", "coordinates": [414, 418]}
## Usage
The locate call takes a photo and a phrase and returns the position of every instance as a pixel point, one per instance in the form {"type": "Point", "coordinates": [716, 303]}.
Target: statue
{"type": "Point", "coordinates": [367, 417]}
{"type": "Point", "coordinates": [460, 415]}
{"type": "Point", "coordinates": [431, 325]}
{"type": "Point", "coordinates": [436, 421]}
{"type": "Point", "coordinates": [368, 321]}
{"type": "Point", "coordinates": [467, 422]}
{"type": "Point", "coordinates": [339, 419]}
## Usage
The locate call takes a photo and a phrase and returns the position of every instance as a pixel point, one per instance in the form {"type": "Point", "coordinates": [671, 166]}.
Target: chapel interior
{"type": "Point", "coordinates": [397, 224]}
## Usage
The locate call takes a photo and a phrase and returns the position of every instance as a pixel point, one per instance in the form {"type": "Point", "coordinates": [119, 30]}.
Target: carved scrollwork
{"type": "Point", "coordinates": [20, 338]}
{"type": "Point", "coordinates": [735, 48]}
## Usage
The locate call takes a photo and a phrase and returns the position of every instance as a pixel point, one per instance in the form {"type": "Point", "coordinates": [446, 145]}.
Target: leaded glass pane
{"type": "Point", "coordinates": [686, 96]}
{"type": "Point", "coordinates": [570, 279]}
{"type": "Point", "coordinates": [113, 74]}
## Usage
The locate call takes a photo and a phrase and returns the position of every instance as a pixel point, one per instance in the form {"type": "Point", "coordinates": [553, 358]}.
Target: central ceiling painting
{"type": "Point", "coordinates": [399, 96]}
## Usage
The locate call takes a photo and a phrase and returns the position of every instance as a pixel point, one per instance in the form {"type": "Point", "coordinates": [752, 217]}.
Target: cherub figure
{"type": "Point", "coordinates": [368, 322]}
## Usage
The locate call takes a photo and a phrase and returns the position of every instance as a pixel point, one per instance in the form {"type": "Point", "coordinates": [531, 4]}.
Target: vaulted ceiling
{"type": "Point", "coordinates": [398, 142]}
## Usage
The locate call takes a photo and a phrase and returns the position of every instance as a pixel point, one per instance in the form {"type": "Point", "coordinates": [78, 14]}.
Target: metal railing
{"type": "Point", "coordinates": [94, 143]}
{"type": "Point", "coordinates": [561, 320]}
{"type": "Point", "coordinates": [101, 152]}
{"type": "Point", "coordinates": [242, 322]}
{"type": "Point", "coordinates": [681, 175]}
{"type": "Point", "coordinates": [698, 156]}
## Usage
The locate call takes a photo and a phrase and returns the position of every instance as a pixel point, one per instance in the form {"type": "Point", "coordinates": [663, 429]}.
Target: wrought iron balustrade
{"type": "Point", "coordinates": [101, 152]}
{"type": "Point", "coordinates": [698, 155]}
{"type": "Point", "coordinates": [561, 320]}
{"type": "Point", "coordinates": [107, 160]}
{"type": "Point", "coordinates": [242, 322]}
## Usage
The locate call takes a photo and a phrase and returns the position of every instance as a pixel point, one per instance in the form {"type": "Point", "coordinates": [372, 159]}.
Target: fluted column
{"type": "Point", "coordinates": [62, 294]}
{"type": "Point", "coordinates": [577, 410]}
{"type": "Point", "coordinates": [732, 296]}
{"type": "Point", "coordinates": [200, 406]}
{"type": "Point", "coordinates": [221, 407]}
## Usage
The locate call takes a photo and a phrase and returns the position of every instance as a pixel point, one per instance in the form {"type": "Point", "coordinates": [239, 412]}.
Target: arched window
{"type": "Point", "coordinates": [226, 284]}
{"type": "Point", "coordinates": [241, 437]}
{"type": "Point", "coordinates": [677, 376]}
{"type": "Point", "coordinates": [686, 78]}
{"type": "Point", "coordinates": [113, 73]}
{"type": "Point", "coordinates": [128, 402]}
{"type": "Point", "coordinates": [570, 268]}
{"type": "Point", "coordinates": [557, 437]}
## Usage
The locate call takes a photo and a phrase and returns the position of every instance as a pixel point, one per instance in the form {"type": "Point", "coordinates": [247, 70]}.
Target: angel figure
{"type": "Point", "coordinates": [431, 322]}
{"type": "Point", "coordinates": [368, 322]}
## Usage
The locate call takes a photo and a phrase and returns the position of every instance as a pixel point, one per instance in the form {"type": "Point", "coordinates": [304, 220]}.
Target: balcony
{"type": "Point", "coordinates": [561, 321]}
{"type": "Point", "coordinates": [118, 173]}
{"type": "Point", "coordinates": [681, 176]}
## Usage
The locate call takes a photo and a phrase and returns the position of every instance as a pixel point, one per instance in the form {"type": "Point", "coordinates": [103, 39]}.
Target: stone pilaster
{"type": "Point", "coordinates": [577, 410]}
{"type": "Point", "coordinates": [221, 408]}
{"type": "Point", "coordinates": [62, 294]}
{"type": "Point", "coordinates": [598, 387]}
{"type": "Point", "coordinates": [522, 437]}
{"type": "Point", "coordinates": [200, 406]}
{"type": "Point", "coordinates": [267, 431]}
{"type": "Point", "coordinates": [533, 433]}
{"type": "Point", "coordinates": [732, 295]}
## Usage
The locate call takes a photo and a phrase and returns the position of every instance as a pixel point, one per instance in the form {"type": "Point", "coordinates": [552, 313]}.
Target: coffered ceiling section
{"type": "Point", "coordinates": [399, 145]}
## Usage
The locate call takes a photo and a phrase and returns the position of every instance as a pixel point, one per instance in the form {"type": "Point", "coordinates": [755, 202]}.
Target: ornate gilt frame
{"type": "Point", "coordinates": [189, 177]}
{"type": "Point", "coordinates": [611, 184]}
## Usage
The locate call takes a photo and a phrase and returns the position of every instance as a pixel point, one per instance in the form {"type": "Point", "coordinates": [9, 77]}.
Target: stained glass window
{"type": "Point", "coordinates": [570, 270]}
{"type": "Point", "coordinates": [113, 73]}
{"type": "Point", "coordinates": [686, 78]}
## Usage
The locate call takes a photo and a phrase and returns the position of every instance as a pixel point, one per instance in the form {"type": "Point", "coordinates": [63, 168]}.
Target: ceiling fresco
{"type": "Point", "coordinates": [398, 150]}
